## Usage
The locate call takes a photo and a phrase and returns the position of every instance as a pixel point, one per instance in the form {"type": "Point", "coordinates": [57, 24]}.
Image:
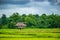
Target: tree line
{"type": "Point", "coordinates": [32, 21]}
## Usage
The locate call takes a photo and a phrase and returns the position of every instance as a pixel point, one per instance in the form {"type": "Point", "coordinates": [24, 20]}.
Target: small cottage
{"type": "Point", "coordinates": [21, 25]}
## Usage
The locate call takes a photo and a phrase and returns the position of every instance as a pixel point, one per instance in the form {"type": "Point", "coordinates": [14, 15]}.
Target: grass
{"type": "Point", "coordinates": [29, 38]}
{"type": "Point", "coordinates": [30, 33]}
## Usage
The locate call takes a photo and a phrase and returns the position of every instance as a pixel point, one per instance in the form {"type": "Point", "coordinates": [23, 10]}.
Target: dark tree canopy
{"type": "Point", "coordinates": [33, 21]}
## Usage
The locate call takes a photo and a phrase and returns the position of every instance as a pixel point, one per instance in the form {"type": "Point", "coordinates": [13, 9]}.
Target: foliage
{"type": "Point", "coordinates": [4, 19]}
{"type": "Point", "coordinates": [33, 21]}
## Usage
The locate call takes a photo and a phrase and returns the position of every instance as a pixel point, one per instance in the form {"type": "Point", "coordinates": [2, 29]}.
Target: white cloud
{"type": "Point", "coordinates": [19, 10]}
{"type": "Point", "coordinates": [35, 7]}
{"type": "Point", "coordinates": [44, 3]}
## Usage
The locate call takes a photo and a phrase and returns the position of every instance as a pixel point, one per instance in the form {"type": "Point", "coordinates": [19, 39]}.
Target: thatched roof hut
{"type": "Point", "coordinates": [21, 25]}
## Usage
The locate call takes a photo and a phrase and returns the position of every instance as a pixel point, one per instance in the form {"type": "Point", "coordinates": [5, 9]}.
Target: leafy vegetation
{"type": "Point", "coordinates": [32, 21]}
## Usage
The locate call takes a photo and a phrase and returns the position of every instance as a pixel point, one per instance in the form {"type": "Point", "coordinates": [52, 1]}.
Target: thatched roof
{"type": "Point", "coordinates": [21, 25]}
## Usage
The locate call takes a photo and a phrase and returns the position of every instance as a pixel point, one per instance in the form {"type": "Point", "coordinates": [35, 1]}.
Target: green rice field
{"type": "Point", "coordinates": [30, 34]}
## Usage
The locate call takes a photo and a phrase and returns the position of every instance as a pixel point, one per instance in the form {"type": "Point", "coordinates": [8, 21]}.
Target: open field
{"type": "Point", "coordinates": [29, 38]}
{"type": "Point", "coordinates": [30, 34]}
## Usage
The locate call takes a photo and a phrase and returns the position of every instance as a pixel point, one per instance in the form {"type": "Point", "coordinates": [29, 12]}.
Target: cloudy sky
{"type": "Point", "coordinates": [8, 7]}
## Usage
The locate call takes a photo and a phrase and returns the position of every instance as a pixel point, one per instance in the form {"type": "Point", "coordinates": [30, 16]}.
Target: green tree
{"type": "Point", "coordinates": [23, 17]}
{"type": "Point", "coordinates": [57, 21]}
{"type": "Point", "coordinates": [15, 17]}
{"type": "Point", "coordinates": [52, 18]}
{"type": "Point", "coordinates": [4, 19]}
{"type": "Point", "coordinates": [30, 22]}
{"type": "Point", "coordinates": [43, 21]}
{"type": "Point", "coordinates": [11, 25]}
{"type": "Point", "coordinates": [1, 25]}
